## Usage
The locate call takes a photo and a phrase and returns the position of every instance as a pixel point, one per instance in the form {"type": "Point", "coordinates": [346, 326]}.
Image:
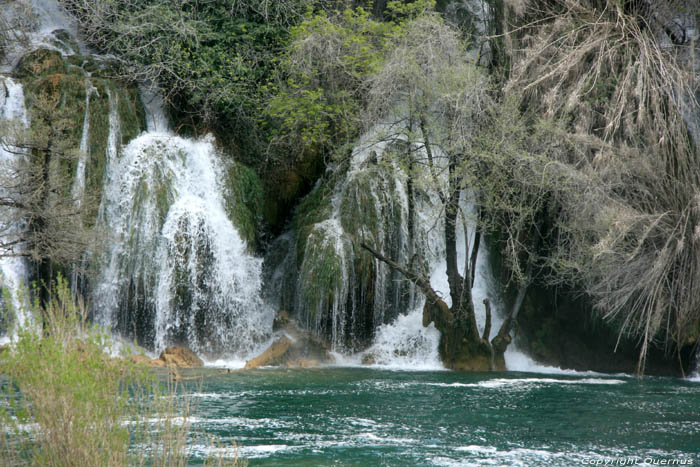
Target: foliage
{"type": "Point", "coordinates": [325, 73]}
{"type": "Point", "coordinates": [623, 214]}
{"type": "Point", "coordinates": [41, 215]}
{"type": "Point", "coordinates": [66, 402]}
{"type": "Point", "coordinates": [210, 59]}
{"type": "Point", "coordinates": [245, 204]}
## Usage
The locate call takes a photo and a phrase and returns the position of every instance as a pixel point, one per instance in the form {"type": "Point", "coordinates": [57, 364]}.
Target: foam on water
{"type": "Point", "coordinates": [406, 344]}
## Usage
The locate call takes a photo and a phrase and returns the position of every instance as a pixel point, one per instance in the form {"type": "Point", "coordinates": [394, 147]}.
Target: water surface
{"type": "Point", "coordinates": [357, 416]}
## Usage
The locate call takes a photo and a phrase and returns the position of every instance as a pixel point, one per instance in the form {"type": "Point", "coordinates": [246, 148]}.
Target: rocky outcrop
{"type": "Point", "coordinates": [171, 357]}
{"type": "Point", "coordinates": [275, 355]}
{"type": "Point", "coordinates": [180, 357]}
{"type": "Point", "coordinates": [294, 349]}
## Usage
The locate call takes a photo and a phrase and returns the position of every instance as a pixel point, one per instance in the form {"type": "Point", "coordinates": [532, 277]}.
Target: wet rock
{"type": "Point", "coordinates": [295, 349]}
{"type": "Point", "coordinates": [281, 320]}
{"type": "Point", "coordinates": [369, 358]}
{"type": "Point", "coordinates": [180, 357]}
{"type": "Point", "coordinates": [272, 356]}
{"type": "Point", "coordinates": [38, 62]}
{"type": "Point", "coordinates": [141, 359]}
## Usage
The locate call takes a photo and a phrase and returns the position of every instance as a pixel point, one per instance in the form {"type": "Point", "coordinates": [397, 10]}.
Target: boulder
{"type": "Point", "coordinates": [274, 355]}
{"type": "Point", "coordinates": [294, 349]}
{"type": "Point", "coordinates": [180, 357]}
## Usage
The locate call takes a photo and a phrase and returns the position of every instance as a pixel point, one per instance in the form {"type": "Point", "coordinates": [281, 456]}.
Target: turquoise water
{"type": "Point", "coordinates": [355, 416]}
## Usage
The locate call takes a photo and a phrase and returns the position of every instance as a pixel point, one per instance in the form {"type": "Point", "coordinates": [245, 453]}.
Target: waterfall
{"type": "Point", "coordinates": [405, 343]}
{"type": "Point", "coordinates": [695, 376]}
{"type": "Point", "coordinates": [177, 271]}
{"type": "Point", "coordinates": [13, 269]}
{"type": "Point", "coordinates": [37, 24]}
{"type": "Point", "coordinates": [78, 188]}
{"type": "Point", "coordinates": [370, 202]}
{"type": "Point", "coordinates": [342, 294]}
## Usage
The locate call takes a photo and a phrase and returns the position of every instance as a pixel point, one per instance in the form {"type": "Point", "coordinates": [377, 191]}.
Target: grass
{"type": "Point", "coordinates": [65, 402]}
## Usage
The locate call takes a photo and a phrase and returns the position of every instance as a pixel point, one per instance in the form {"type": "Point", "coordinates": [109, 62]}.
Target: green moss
{"type": "Point", "coordinates": [40, 62]}
{"type": "Point", "coordinates": [97, 144]}
{"type": "Point", "coordinates": [162, 194]}
{"type": "Point", "coordinates": [321, 274]}
{"type": "Point", "coordinates": [65, 80]}
{"type": "Point", "coordinates": [314, 208]}
{"type": "Point", "coordinates": [244, 202]}
{"type": "Point", "coordinates": [132, 116]}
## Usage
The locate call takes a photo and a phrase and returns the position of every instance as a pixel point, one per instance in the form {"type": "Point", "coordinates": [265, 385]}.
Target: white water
{"type": "Point", "coordinates": [165, 208]}
{"type": "Point", "coordinates": [78, 189]}
{"type": "Point", "coordinates": [35, 24]}
{"type": "Point", "coordinates": [695, 376]}
{"type": "Point", "coordinates": [403, 343]}
{"type": "Point", "coordinates": [13, 269]}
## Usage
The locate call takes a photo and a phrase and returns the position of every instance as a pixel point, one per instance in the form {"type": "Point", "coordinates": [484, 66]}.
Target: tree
{"type": "Point", "coordinates": [40, 215]}
{"type": "Point", "coordinates": [617, 80]}
{"type": "Point", "coordinates": [429, 96]}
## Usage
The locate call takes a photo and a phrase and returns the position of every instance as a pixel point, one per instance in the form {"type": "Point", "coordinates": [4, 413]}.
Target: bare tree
{"type": "Point", "coordinates": [429, 96]}
{"type": "Point", "coordinates": [621, 75]}
{"type": "Point", "coordinates": [40, 217]}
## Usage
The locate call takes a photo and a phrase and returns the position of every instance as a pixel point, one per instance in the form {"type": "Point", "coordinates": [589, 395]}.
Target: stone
{"type": "Point", "coordinates": [180, 357]}
{"type": "Point", "coordinates": [272, 356]}
{"type": "Point", "coordinates": [369, 358]}
{"type": "Point", "coordinates": [141, 359]}
{"type": "Point", "coordinates": [294, 349]}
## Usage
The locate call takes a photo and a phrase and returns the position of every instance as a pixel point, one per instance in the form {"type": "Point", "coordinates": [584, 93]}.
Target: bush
{"type": "Point", "coordinates": [66, 402]}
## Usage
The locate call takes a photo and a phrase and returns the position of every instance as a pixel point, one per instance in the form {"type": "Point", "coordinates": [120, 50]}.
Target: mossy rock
{"type": "Point", "coordinates": [39, 62]}
{"type": "Point", "coordinates": [244, 202]}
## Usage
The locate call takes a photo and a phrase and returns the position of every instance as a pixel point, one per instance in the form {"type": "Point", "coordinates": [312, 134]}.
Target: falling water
{"type": "Point", "coordinates": [177, 270]}
{"type": "Point", "coordinates": [375, 185]}
{"type": "Point", "coordinates": [13, 268]}
{"type": "Point", "coordinates": [37, 24]}
{"type": "Point", "coordinates": [79, 181]}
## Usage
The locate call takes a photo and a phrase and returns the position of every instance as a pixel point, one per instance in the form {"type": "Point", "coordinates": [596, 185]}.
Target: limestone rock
{"type": "Point", "coordinates": [272, 356]}
{"type": "Point", "coordinates": [180, 357]}
{"type": "Point", "coordinates": [295, 349]}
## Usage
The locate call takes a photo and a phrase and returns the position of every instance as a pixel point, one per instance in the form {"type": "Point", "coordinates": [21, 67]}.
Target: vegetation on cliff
{"type": "Point", "coordinates": [572, 128]}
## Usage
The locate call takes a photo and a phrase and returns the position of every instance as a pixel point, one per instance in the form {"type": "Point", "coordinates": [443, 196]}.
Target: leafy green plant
{"type": "Point", "coordinates": [66, 402]}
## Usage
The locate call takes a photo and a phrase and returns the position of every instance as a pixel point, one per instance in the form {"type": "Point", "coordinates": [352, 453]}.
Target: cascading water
{"type": "Point", "coordinates": [342, 295]}
{"type": "Point", "coordinates": [36, 24]}
{"type": "Point", "coordinates": [371, 203]}
{"type": "Point", "coordinates": [78, 189]}
{"type": "Point", "coordinates": [177, 270]}
{"type": "Point", "coordinates": [13, 269]}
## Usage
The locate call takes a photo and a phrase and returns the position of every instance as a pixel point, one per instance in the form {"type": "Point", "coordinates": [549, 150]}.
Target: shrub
{"type": "Point", "coordinates": [66, 402]}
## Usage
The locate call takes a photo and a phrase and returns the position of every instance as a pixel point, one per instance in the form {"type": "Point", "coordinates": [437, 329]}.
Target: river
{"type": "Point", "coordinates": [360, 416]}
